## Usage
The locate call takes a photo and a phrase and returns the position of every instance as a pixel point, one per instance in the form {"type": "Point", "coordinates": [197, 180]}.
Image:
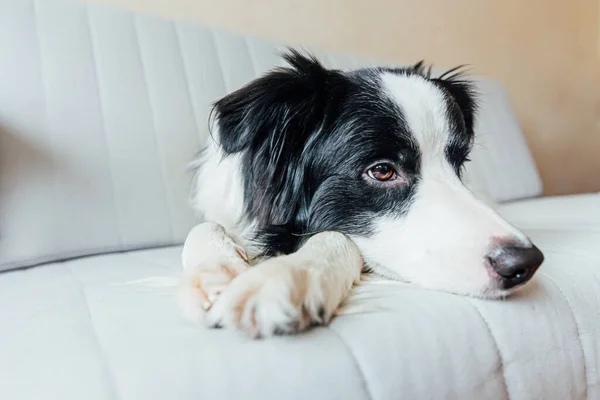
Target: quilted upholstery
{"type": "Point", "coordinates": [101, 110]}
{"type": "Point", "coordinates": [80, 333]}
{"type": "Point", "coordinates": [571, 213]}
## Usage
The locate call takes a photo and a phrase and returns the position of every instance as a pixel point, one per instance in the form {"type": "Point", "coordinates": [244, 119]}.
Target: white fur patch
{"type": "Point", "coordinates": [442, 240]}
{"type": "Point", "coordinates": [424, 109]}
{"type": "Point", "coordinates": [219, 192]}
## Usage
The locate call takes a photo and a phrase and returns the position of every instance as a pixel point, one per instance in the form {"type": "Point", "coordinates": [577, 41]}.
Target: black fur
{"type": "Point", "coordinates": [462, 107]}
{"type": "Point", "coordinates": [308, 133]}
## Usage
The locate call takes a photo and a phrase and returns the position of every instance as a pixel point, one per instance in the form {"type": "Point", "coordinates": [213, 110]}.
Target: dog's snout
{"type": "Point", "coordinates": [515, 265]}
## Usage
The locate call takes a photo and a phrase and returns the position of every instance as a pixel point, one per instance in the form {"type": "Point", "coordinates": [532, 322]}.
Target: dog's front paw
{"type": "Point", "coordinates": [279, 296]}
{"type": "Point", "coordinates": [207, 242]}
{"type": "Point", "coordinates": [200, 287]}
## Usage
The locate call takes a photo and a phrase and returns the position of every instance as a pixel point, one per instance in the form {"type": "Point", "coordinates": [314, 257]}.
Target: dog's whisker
{"type": "Point", "coordinates": [307, 233]}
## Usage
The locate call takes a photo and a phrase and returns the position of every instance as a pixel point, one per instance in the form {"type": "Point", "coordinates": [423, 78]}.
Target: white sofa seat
{"type": "Point", "coordinates": [101, 110]}
{"type": "Point", "coordinates": [576, 212]}
{"type": "Point", "coordinates": [566, 225]}
{"type": "Point", "coordinates": [74, 330]}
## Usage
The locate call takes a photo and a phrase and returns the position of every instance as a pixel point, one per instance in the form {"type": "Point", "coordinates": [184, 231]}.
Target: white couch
{"type": "Point", "coordinates": [100, 111]}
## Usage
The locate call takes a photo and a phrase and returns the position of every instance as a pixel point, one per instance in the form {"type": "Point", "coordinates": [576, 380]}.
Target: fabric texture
{"type": "Point", "coordinates": [101, 110]}
{"type": "Point", "coordinates": [572, 213]}
{"type": "Point", "coordinates": [75, 330]}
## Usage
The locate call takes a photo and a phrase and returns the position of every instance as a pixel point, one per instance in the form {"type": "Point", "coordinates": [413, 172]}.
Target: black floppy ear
{"type": "Point", "coordinates": [463, 92]}
{"type": "Point", "coordinates": [269, 105]}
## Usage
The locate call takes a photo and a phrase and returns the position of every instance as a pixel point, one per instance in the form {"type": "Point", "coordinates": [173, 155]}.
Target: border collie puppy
{"type": "Point", "coordinates": [313, 175]}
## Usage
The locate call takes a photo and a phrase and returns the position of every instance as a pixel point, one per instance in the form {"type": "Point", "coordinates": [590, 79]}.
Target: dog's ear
{"type": "Point", "coordinates": [266, 109]}
{"type": "Point", "coordinates": [463, 92]}
{"type": "Point", "coordinates": [271, 120]}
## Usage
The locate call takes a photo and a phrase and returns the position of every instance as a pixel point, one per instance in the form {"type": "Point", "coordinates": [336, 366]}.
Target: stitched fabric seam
{"type": "Point", "coordinates": [59, 241]}
{"type": "Point", "coordinates": [213, 38]}
{"type": "Point", "coordinates": [577, 330]}
{"type": "Point", "coordinates": [107, 366]}
{"type": "Point", "coordinates": [94, 52]}
{"type": "Point", "coordinates": [186, 77]}
{"type": "Point", "coordinates": [355, 362]}
{"type": "Point", "coordinates": [160, 156]}
{"type": "Point", "coordinates": [251, 57]}
{"type": "Point", "coordinates": [495, 341]}
{"type": "Point", "coordinates": [72, 255]}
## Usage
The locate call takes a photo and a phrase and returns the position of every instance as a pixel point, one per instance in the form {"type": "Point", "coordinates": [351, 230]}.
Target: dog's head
{"type": "Point", "coordinates": [376, 154]}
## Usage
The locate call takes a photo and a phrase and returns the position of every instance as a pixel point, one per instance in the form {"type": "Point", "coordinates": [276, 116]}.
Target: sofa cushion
{"type": "Point", "coordinates": [575, 213]}
{"type": "Point", "coordinates": [79, 329]}
{"type": "Point", "coordinates": [101, 110]}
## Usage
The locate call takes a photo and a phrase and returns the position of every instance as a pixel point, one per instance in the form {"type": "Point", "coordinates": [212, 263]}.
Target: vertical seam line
{"type": "Point", "coordinates": [251, 57]}
{"type": "Point", "coordinates": [193, 105]}
{"type": "Point", "coordinates": [577, 330]}
{"type": "Point", "coordinates": [106, 364]}
{"type": "Point", "coordinates": [497, 348]}
{"type": "Point", "coordinates": [94, 52]}
{"type": "Point", "coordinates": [48, 132]}
{"type": "Point", "coordinates": [361, 373]}
{"type": "Point", "coordinates": [160, 155]}
{"type": "Point", "coordinates": [213, 39]}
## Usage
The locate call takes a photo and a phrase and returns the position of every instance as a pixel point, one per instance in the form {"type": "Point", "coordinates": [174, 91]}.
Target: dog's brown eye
{"type": "Point", "coordinates": [382, 172]}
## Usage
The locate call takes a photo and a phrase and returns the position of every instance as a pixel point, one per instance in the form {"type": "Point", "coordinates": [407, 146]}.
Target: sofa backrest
{"type": "Point", "coordinates": [101, 110]}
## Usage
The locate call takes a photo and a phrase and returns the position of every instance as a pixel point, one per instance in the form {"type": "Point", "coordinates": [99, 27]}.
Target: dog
{"type": "Point", "coordinates": [313, 175]}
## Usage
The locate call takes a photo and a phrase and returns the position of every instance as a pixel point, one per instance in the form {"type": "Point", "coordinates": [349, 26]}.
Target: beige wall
{"type": "Point", "coordinates": [544, 51]}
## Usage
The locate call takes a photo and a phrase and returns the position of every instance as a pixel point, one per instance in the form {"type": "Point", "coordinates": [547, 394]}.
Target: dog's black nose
{"type": "Point", "coordinates": [515, 265]}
